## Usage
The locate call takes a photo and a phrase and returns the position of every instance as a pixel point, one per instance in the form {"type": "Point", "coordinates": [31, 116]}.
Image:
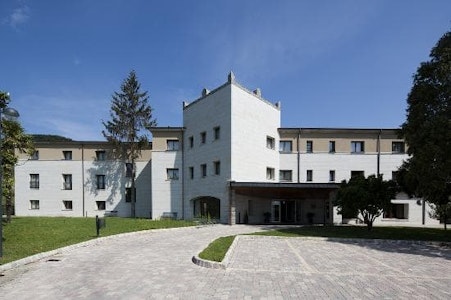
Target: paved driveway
{"type": "Point", "coordinates": [157, 265]}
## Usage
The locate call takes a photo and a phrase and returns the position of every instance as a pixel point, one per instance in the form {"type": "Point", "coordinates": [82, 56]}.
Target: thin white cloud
{"type": "Point", "coordinates": [19, 16]}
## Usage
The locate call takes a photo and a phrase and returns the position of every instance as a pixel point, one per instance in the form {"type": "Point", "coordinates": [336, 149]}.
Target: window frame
{"type": "Point", "coordinates": [282, 176]}
{"type": "Point", "coordinates": [217, 133]}
{"type": "Point", "coordinates": [66, 204]}
{"type": "Point", "coordinates": [172, 174]}
{"type": "Point", "coordinates": [217, 167]}
{"type": "Point", "coordinates": [203, 170]}
{"type": "Point", "coordinates": [309, 146]}
{"type": "Point", "coordinates": [67, 181]}
{"type": "Point", "coordinates": [332, 176]}
{"type": "Point", "coordinates": [33, 205]}
{"type": "Point", "coordinates": [394, 145]}
{"type": "Point", "coordinates": [203, 137]}
{"type": "Point", "coordinates": [270, 173]}
{"type": "Point", "coordinates": [100, 155]}
{"type": "Point", "coordinates": [34, 184]}
{"type": "Point", "coordinates": [67, 154]}
{"type": "Point", "coordinates": [191, 172]}
{"type": "Point", "coordinates": [282, 147]}
{"type": "Point", "coordinates": [100, 184]}
{"type": "Point", "coordinates": [100, 205]}
{"type": "Point", "coordinates": [354, 148]}
{"type": "Point", "coordinates": [332, 147]}
{"type": "Point", "coordinates": [172, 145]}
{"type": "Point", "coordinates": [35, 155]}
{"type": "Point", "coordinates": [270, 142]}
{"type": "Point", "coordinates": [309, 176]}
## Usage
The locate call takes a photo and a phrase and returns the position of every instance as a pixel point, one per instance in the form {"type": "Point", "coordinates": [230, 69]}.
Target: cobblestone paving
{"type": "Point", "coordinates": [157, 265]}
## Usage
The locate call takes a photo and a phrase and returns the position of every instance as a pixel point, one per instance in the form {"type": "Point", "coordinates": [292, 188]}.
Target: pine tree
{"type": "Point", "coordinates": [128, 129]}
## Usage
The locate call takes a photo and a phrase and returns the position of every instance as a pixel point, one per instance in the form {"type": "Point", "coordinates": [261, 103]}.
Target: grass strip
{"type": "Point", "coordinates": [219, 247]}
{"type": "Point", "coordinates": [26, 236]}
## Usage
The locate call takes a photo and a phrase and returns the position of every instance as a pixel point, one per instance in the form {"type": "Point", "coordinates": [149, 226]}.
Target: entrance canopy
{"type": "Point", "coordinates": [284, 190]}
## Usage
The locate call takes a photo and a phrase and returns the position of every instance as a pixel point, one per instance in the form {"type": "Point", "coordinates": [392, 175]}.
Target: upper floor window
{"type": "Point", "coordinates": [270, 142]}
{"type": "Point", "coordinates": [203, 137]}
{"type": "Point", "coordinates": [172, 145]}
{"type": "Point", "coordinates": [331, 146]}
{"type": "Point", "coordinates": [101, 155]}
{"type": "Point", "coordinates": [34, 181]}
{"type": "Point", "coordinates": [357, 173]}
{"type": "Point", "coordinates": [357, 147]}
{"type": "Point", "coordinates": [67, 181]}
{"type": "Point", "coordinates": [217, 132]}
{"type": "Point", "coordinates": [191, 172]}
{"type": "Point", "coordinates": [100, 179]}
{"type": "Point", "coordinates": [35, 155]}
{"type": "Point", "coordinates": [191, 141]}
{"type": "Point", "coordinates": [270, 173]}
{"type": "Point", "coordinates": [217, 167]}
{"type": "Point", "coordinates": [128, 170]}
{"type": "Point", "coordinates": [398, 147]}
{"type": "Point", "coordinates": [203, 170]}
{"type": "Point", "coordinates": [172, 174]}
{"type": "Point", "coordinates": [285, 175]}
{"type": "Point", "coordinates": [285, 146]}
{"type": "Point", "coordinates": [309, 175]}
{"type": "Point", "coordinates": [309, 146]}
{"type": "Point", "coordinates": [67, 155]}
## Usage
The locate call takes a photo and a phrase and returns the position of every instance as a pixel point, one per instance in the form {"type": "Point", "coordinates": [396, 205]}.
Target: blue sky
{"type": "Point", "coordinates": [331, 63]}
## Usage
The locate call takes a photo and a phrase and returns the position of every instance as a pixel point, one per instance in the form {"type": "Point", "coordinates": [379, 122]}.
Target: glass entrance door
{"type": "Point", "coordinates": [275, 211]}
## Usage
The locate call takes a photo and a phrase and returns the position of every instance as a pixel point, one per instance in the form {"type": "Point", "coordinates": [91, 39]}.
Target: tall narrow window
{"type": "Point", "coordinates": [128, 170]}
{"type": "Point", "coordinates": [172, 145]}
{"type": "Point", "coordinates": [67, 181]}
{"type": "Point", "coordinates": [100, 182]}
{"type": "Point", "coordinates": [217, 167]}
{"type": "Point", "coordinates": [285, 146]}
{"type": "Point", "coordinates": [191, 141]}
{"type": "Point", "coordinates": [217, 132]}
{"type": "Point", "coordinates": [203, 170]}
{"type": "Point", "coordinates": [191, 172]}
{"type": "Point", "coordinates": [332, 175]}
{"type": "Point", "coordinates": [309, 175]}
{"type": "Point", "coordinates": [357, 147]}
{"type": "Point", "coordinates": [270, 142]}
{"type": "Point", "coordinates": [203, 137]}
{"type": "Point", "coordinates": [34, 181]}
{"type": "Point", "coordinates": [331, 146]}
{"type": "Point", "coordinates": [309, 146]}
{"type": "Point", "coordinates": [128, 194]}
{"type": "Point", "coordinates": [100, 155]}
{"type": "Point", "coordinates": [67, 155]}
{"type": "Point", "coordinates": [172, 174]}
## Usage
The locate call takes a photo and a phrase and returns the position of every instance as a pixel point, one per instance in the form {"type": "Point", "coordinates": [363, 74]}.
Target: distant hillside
{"type": "Point", "coordinates": [49, 138]}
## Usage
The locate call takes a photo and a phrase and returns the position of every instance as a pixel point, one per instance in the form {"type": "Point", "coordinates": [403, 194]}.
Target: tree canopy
{"type": "Point", "coordinates": [129, 127]}
{"type": "Point", "coordinates": [427, 130]}
{"type": "Point", "coordinates": [365, 197]}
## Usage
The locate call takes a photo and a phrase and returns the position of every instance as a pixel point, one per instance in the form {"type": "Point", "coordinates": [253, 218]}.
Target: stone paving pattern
{"type": "Point", "coordinates": [157, 265]}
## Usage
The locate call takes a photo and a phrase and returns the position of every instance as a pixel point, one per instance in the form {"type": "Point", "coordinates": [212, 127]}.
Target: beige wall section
{"type": "Point", "coordinates": [80, 150]}
{"type": "Point", "coordinates": [342, 137]}
{"type": "Point", "coordinates": [160, 136]}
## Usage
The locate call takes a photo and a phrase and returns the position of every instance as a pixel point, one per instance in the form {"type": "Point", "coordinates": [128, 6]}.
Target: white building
{"type": "Point", "coordinates": [231, 161]}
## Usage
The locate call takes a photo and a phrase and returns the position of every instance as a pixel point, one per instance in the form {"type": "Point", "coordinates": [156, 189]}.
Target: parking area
{"type": "Point", "coordinates": [157, 265]}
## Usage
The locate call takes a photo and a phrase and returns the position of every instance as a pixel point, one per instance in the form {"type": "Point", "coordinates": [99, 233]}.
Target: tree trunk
{"type": "Point", "coordinates": [133, 194]}
{"type": "Point", "coordinates": [8, 210]}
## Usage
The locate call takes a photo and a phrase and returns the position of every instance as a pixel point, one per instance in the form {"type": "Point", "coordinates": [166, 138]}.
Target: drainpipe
{"type": "Point", "coordinates": [379, 152]}
{"type": "Point", "coordinates": [183, 174]}
{"type": "Point", "coordinates": [298, 142]}
{"type": "Point", "coordinates": [83, 178]}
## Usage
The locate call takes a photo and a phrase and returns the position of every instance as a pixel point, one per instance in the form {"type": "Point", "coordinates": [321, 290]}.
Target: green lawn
{"type": "Point", "coordinates": [26, 236]}
{"type": "Point", "coordinates": [218, 248]}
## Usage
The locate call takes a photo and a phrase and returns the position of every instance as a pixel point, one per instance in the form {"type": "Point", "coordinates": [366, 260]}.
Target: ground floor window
{"type": "Point", "coordinates": [397, 211]}
{"type": "Point", "coordinates": [207, 207]}
{"type": "Point", "coordinates": [67, 204]}
{"type": "Point", "coordinates": [100, 205]}
{"type": "Point", "coordinates": [34, 204]}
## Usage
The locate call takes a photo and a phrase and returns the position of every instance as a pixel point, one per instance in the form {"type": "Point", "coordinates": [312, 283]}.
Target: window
{"type": "Point", "coordinates": [270, 173]}
{"type": "Point", "coordinates": [285, 146]}
{"type": "Point", "coordinates": [269, 142]}
{"type": "Point", "coordinates": [191, 142]}
{"type": "Point", "coordinates": [67, 205]}
{"type": "Point", "coordinates": [34, 181]}
{"type": "Point", "coordinates": [397, 211]}
{"type": "Point", "coordinates": [100, 205]}
{"type": "Point", "coordinates": [67, 181]}
{"type": "Point", "coordinates": [217, 132]}
{"type": "Point", "coordinates": [357, 173]}
{"type": "Point", "coordinates": [309, 146]}
{"type": "Point", "coordinates": [394, 176]}
{"type": "Point", "coordinates": [172, 145]}
{"type": "Point", "coordinates": [203, 137]}
{"type": "Point", "coordinates": [100, 155]}
{"type": "Point", "coordinates": [35, 155]}
{"type": "Point", "coordinates": [332, 175]}
{"type": "Point", "coordinates": [203, 170]}
{"type": "Point", "coordinates": [67, 155]}
{"type": "Point", "coordinates": [172, 174]}
{"type": "Point", "coordinates": [217, 167]}
{"type": "Point", "coordinates": [285, 175]}
{"type": "Point", "coordinates": [397, 147]}
{"type": "Point", "coordinates": [191, 172]}
{"type": "Point", "coordinates": [309, 175]}
{"type": "Point", "coordinates": [34, 204]}
{"type": "Point", "coordinates": [357, 147]}
{"type": "Point", "coordinates": [331, 146]}
{"type": "Point", "coordinates": [100, 182]}
{"type": "Point", "coordinates": [128, 170]}
{"type": "Point", "coordinates": [128, 194]}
